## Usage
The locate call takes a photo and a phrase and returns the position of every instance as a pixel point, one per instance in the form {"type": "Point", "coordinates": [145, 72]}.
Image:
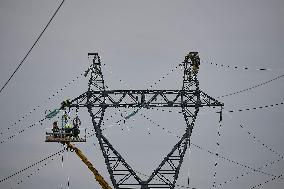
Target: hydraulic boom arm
{"type": "Point", "coordinates": [98, 177]}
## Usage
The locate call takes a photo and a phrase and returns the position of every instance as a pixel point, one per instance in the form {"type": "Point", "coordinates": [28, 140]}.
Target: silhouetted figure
{"type": "Point", "coordinates": [55, 129]}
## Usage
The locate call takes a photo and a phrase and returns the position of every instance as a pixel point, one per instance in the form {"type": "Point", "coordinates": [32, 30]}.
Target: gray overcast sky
{"type": "Point", "coordinates": [140, 41]}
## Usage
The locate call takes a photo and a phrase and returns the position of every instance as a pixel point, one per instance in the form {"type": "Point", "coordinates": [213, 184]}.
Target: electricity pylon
{"type": "Point", "coordinates": [190, 99]}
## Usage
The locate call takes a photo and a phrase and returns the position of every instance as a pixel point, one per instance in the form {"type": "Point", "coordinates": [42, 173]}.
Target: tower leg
{"type": "Point", "coordinates": [121, 174]}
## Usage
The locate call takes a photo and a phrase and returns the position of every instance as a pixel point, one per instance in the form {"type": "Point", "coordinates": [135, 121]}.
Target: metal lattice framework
{"type": "Point", "coordinates": [190, 99]}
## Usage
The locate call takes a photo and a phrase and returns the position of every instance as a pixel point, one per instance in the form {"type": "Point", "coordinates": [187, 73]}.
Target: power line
{"type": "Point", "coordinates": [253, 170]}
{"type": "Point", "coordinates": [248, 172]}
{"type": "Point", "coordinates": [252, 87]}
{"type": "Point", "coordinates": [40, 106]}
{"type": "Point", "coordinates": [172, 133]}
{"type": "Point", "coordinates": [41, 121]}
{"type": "Point", "coordinates": [255, 108]}
{"type": "Point", "coordinates": [23, 130]}
{"type": "Point", "coordinates": [227, 159]}
{"type": "Point", "coordinates": [242, 68]}
{"type": "Point", "coordinates": [254, 138]}
{"type": "Point", "coordinates": [261, 184]}
{"type": "Point", "coordinates": [35, 171]}
{"type": "Point", "coordinates": [231, 161]}
{"type": "Point", "coordinates": [32, 165]}
{"type": "Point", "coordinates": [210, 152]}
{"type": "Point", "coordinates": [42, 160]}
{"type": "Point", "coordinates": [32, 46]}
{"type": "Point", "coordinates": [164, 76]}
{"type": "Point", "coordinates": [217, 152]}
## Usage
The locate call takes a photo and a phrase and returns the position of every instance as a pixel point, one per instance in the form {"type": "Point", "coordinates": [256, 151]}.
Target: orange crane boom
{"type": "Point", "coordinates": [97, 175]}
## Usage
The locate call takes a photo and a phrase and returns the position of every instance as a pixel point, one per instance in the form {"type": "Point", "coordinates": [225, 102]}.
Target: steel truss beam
{"type": "Point", "coordinates": [97, 99]}
{"type": "Point", "coordinates": [145, 98]}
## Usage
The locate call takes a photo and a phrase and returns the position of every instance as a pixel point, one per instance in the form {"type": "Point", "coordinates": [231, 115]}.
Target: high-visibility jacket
{"type": "Point", "coordinates": [68, 126]}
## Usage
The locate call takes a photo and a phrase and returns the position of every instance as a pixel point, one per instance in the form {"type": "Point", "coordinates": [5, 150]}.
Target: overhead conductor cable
{"type": "Point", "coordinates": [23, 60]}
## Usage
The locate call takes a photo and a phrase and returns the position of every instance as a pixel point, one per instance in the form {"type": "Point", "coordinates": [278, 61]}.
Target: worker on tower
{"type": "Point", "coordinates": [195, 61]}
{"type": "Point", "coordinates": [65, 104]}
{"type": "Point", "coordinates": [76, 124]}
{"type": "Point", "coordinates": [67, 126]}
{"type": "Point", "coordinates": [195, 68]}
{"type": "Point", "coordinates": [55, 129]}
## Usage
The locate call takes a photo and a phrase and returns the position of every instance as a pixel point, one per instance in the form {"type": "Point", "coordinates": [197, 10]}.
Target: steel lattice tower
{"type": "Point", "coordinates": [190, 99]}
